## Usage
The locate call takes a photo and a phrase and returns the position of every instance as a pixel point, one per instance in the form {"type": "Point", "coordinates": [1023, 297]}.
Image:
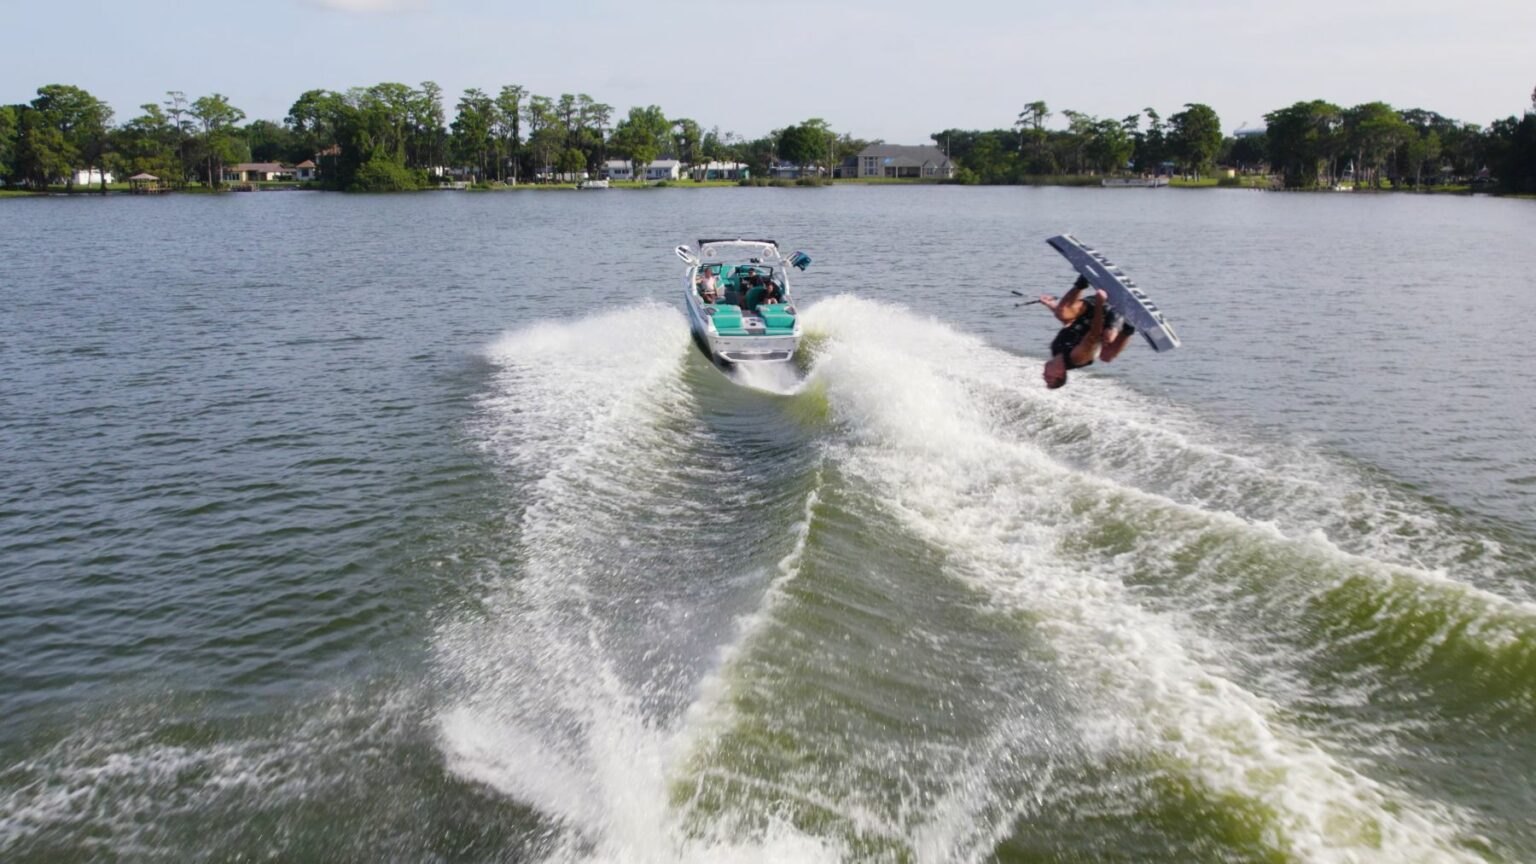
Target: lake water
{"type": "Point", "coordinates": [346, 528]}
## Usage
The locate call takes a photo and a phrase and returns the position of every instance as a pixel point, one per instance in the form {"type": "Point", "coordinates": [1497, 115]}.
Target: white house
{"type": "Point", "coordinates": [718, 171]}
{"type": "Point", "coordinates": [664, 169]}
{"type": "Point", "coordinates": [90, 177]}
{"type": "Point", "coordinates": [251, 172]}
{"type": "Point", "coordinates": [661, 169]}
{"type": "Point", "coordinates": [782, 170]}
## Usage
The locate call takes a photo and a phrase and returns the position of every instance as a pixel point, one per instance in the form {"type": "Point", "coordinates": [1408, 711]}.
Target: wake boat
{"type": "Point", "coordinates": [749, 316]}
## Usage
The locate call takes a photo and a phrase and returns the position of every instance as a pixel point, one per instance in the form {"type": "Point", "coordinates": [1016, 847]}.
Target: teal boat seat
{"type": "Point", "coordinates": [727, 319]}
{"type": "Point", "coordinates": [777, 318]}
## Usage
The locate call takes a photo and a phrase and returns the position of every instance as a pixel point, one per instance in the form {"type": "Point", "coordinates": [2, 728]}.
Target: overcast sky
{"type": "Point", "coordinates": [897, 70]}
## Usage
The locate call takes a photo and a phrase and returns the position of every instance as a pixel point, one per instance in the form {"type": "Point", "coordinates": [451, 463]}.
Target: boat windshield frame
{"type": "Point", "coordinates": [734, 252]}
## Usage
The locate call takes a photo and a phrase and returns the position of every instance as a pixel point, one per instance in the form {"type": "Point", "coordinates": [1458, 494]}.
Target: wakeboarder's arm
{"type": "Point", "coordinates": [1070, 306]}
{"type": "Point", "coordinates": [1084, 353]}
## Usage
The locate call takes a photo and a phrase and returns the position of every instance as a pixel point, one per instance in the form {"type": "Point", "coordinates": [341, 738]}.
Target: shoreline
{"type": "Point", "coordinates": [1249, 183]}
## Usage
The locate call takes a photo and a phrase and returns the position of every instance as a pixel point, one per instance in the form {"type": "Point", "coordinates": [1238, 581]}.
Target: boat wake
{"type": "Point", "coordinates": [924, 609]}
{"type": "Point", "coordinates": [781, 379]}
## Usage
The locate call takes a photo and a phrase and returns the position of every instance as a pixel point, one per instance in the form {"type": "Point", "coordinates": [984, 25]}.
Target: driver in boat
{"type": "Point", "coordinates": [1091, 331]}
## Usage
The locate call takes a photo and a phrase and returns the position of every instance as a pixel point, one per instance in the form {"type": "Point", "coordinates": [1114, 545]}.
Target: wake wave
{"type": "Point", "coordinates": [572, 689]}
{"type": "Point", "coordinates": [731, 622]}
{"type": "Point", "coordinates": [995, 473]}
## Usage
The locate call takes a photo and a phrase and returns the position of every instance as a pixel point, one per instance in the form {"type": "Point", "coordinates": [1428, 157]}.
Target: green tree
{"type": "Point", "coordinates": [1152, 146]}
{"type": "Point", "coordinates": [572, 162]}
{"type": "Point", "coordinates": [272, 142]}
{"type": "Point", "coordinates": [984, 157]}
{"type": "Point", "coordinates": [543, 145]}
{"type": "Point", "coordinates": [1374, 132]}
{"type": "Point", "coordinates": [800, 145]}
{"type": "Point", "coordinates": [42, 151]}
{"type": "Point", "coordinates": [384, 174]}
{"type": "Point", "coordinates": [1031, 126]}
{"type": "Point", "coordinates": [640, 137]}
{"type": "Point", "coordinates": [473, 144]}
{"type": "Point", "coordinates": [217, 118]}
{"type": "Point", "coordinates": [757, 154]}
{"type": "Point", "coordinates": [1074, 145]}
{"type": "Point", "coordinates": [1511, 145]}
{"type": "Point", "coordinates": [1110, 145]}
{"type": "Point", "coordinates": [1303, 138]}
{"type": "Point", "coordinates": [1420, 149]}
{"type": "Point", "coordinates": [687, 138]}
{"type": "Point", "coordinates": [82, 121]}
{"type": "Point", "coordinates": [508, 126]}
{"type": "Point", "coordinates": [148, 143]}
{"type": "Point", "coordinates": [312, 118]}
{"type": "Point", "coordinates": [595, 117]}
{"type": "Point", "coordinates": [427, 123]}
{"type": "Point", "coordinates": [7, 141]}
{"type": "Point", "coordinates": [177, 110]}
{"type": "Point", "coordinates": [1195, 137]}
{"type": "Point", "coordinates": [1249, 151]}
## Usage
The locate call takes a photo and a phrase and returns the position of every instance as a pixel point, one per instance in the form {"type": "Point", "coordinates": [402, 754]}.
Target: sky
{"type": "Point", "coordinates": [898, 70]}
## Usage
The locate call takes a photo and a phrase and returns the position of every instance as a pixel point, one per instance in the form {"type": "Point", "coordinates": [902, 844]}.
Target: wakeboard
{"type": "Point", "coordinates": [1124, 297]}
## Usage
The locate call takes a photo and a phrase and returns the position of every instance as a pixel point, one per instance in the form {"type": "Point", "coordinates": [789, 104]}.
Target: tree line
{"type": "Point", "coordinates": [1188, 141]}
{"type": "Point", "coordinates": [394, 136]}
{"type": "Point", "coordinates": [383, 137]}
{"type": "Point", "coordinates": [1305, 145]}
{"type": "Point", "coordinates": [1317, 143]}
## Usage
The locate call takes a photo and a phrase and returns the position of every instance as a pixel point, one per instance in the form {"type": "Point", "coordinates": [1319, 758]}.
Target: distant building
{"type": "Point", "coordinates": [91, 177]}
{"type": "Point", "coordinates": [719, 171]}
{"type": "Point", "coordinates": [253, 172]}
{"type": "Point", "coordinates": [897, 160]}
{"type": "Point", "coordinates": [781, 170]}
{"type": "Point", "coordinates": [664, 169]}
{"type": "Point", "coordinates": [1248, 133]}
{"type": "Point", "coordinates": [661, 169]}
{"type": "Point", "coordinates": [306, 170]}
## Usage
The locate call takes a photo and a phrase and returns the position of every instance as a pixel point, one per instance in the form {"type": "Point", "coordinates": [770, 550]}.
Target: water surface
{"type": "Point", "coordinates": [413, 528]}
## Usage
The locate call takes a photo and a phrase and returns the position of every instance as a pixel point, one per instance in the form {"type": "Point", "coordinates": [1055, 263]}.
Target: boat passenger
{"type": "Point", "coordinates": [709, 286]}
{"type": "Point", "coordinates": [1091, 331]}
{"type": "Point", "coordinates": [763, 291]}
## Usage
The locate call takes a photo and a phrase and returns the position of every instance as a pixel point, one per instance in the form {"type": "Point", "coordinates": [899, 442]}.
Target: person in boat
{"type": "Point", "coordinates": [763, 291]}
{"type": "Point", "coordinates": [1090, 331]}
{"type": "Point", "coordinates": [709, 285]}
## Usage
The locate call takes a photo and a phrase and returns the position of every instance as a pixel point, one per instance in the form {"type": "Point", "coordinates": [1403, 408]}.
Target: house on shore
{"type": "Point", "coordinates": [257, 172]}
{"type": "Point", "coordinates": [92, 177]}
{"type": "Point", "coordinates": [661, 169]}
{"type": "Point", "coordinates": [923, 161]}
{"type": "Point", "coordinates": [719, 171]}
{"type": "Point", "coordinates": [779, 169]}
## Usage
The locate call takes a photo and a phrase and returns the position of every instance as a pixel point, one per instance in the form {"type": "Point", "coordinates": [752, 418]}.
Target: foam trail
{"type": "Point", "coordinates": [782, 379]}
{"type": "Point", "coordinates": [997, 503]}
{"type": "Point", "coordinates": [572, 686]}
